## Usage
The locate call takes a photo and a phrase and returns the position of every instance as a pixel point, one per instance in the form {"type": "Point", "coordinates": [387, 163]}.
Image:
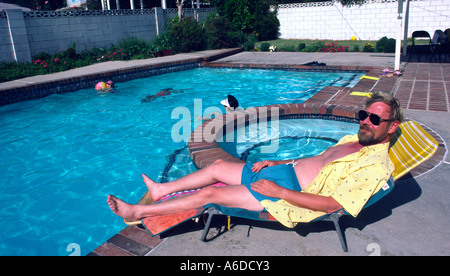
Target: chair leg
{"type": "Point", "coordinates": [211, 212]}
{"type": "Point", "coordinates": [335, 219]}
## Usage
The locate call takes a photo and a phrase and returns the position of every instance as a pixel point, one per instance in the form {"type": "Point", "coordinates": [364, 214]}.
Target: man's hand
{"type": "Point", "coordinates": [261, 165]}
{"type": "Point", "coordinates": [309, 201]}
{"type": "Point", "coordinates": [268, 188]}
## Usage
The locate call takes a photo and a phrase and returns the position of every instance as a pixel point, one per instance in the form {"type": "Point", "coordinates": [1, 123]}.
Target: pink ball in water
{"type": "Point", "coordinates": [100, 86]}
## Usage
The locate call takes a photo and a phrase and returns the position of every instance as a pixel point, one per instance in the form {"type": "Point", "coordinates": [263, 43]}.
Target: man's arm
{"type": "Point", "coordinates": [309, 201]}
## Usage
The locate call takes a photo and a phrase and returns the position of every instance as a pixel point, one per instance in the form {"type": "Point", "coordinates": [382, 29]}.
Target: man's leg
{"type": "Point", "coordinates": [236, 196]}
{"type": "Point", "coordinates": [220, 171]}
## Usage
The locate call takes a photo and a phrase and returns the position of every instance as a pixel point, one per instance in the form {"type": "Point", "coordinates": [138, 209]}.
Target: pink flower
{"type": "Point", "coordinates": [57, 59]}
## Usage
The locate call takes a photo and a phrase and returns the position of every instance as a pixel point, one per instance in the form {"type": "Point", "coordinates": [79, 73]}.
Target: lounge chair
{"type": "Point", "coordinates": [410, 146]}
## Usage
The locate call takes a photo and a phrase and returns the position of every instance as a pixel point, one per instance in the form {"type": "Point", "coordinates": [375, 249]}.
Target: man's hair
{"type": "Point", "coordinates": [393, 103]}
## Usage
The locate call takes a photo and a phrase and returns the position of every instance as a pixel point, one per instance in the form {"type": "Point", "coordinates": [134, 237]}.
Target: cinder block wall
{"type": "Point", "coordinates": [51, 32]}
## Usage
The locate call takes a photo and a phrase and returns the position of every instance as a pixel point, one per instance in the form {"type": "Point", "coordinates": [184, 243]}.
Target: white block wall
{"type": "Point", "coordinates": [370, 21]}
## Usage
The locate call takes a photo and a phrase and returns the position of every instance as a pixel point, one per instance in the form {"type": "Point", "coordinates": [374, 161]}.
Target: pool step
{"type": "Point", "coordinates": [131, 241]}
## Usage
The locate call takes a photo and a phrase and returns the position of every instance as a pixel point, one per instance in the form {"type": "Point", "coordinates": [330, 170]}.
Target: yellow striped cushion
{"type": "Point", "coordinates": [410, 146]}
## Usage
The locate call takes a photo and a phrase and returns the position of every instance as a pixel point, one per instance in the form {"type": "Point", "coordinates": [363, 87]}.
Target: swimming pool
{"type": "Point", "coordinates": [61, 155]}
{"type": "Point", "coordinates": [286, 139]}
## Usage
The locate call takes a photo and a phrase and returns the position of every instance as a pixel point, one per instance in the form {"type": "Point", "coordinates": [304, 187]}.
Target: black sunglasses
{"type": "Point", "coordinates": [374, 118]}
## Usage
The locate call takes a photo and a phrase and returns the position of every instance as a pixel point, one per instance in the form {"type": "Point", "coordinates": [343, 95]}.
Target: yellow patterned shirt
{"type": "Point", "coordinates": [350, 180]}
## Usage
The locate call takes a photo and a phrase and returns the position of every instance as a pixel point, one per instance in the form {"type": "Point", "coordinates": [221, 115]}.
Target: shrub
{"type": "Point", "coordinates": [250, 16]}
{"type": "Point", "coordinates": [300, 47]}
{"type": "Point", "coordinates": [253, 37]}
{"type": "Point", "coordinates": [161, 42]}
{"type": "Point", "coordinates": [315, 47]}
{"type": "Point", "coordinates": [218, 32]}
{"type": "Point", "coordinates": [368, 47]}
{"type": "Point", "coordinates": [70, 53]}
{"type": "Point", "coordinates": [386, 45]}
{"type": "Point", "coordinates": [132, 48]}
{"type": "Point", "coordinates": [42, 56]}
{"type": "Point", "coordinates": [334, 47]}
{"type": "Point", "coordinates": [11, 71]}
{"type": "Point", "coordinates": [238, 38]}
{"type": "Point", "coordinates": [286, 48]}
{"type": "Point", "coordinates": [264, 47]}
{"type": "Point", "coordinates": [249, 45]}
{"type": "Point", "coordinates": [44, 63]}
{"type": "Point", "coordinates": [267, 27]}
{"type": "Point", "coordinates": [185, 35]}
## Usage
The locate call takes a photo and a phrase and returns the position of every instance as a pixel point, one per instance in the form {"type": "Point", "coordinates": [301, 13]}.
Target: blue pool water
{"type": "Point", "coordinates": [60, 156]}
{"type": "Point", "coordinates": [286, 139]}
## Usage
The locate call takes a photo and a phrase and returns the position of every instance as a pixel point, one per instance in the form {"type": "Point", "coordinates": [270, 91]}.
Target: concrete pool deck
{"type": "Point", "coordinates": [409, 221]}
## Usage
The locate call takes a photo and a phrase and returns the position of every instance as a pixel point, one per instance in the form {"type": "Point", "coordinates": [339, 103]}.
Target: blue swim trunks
{"type": "Point", "coordinates": [283, 175]}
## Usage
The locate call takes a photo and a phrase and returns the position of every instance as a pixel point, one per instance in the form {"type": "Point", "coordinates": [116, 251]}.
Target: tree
{"type": "Point", "coordinates": [347, 3]}
{"type": "Point", "coordinates": [250, 16]}
{"type": "Point", "coordinates": [186, 35]}
{"type": "Point", "coordinates": [39, 4]}
{"type": "Point", "coordinates": [180, 8]}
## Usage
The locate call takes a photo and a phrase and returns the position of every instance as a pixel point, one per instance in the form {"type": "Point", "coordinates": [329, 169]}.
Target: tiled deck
{"type": "Point", "coordinates": [425, 86]}
{"type": "Point", "coordinates": [416, 90]}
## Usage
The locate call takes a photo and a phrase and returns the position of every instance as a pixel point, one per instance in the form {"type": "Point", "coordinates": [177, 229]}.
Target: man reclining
{"type": "Point", "coordinates": [343, 176]}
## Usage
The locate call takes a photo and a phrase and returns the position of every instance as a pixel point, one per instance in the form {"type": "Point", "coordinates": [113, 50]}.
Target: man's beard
{"type": "Point", "coordinates": [368, 138]}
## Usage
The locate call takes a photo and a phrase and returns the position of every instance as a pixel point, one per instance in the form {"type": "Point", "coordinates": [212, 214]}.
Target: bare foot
{"type": "Point", "coordinates": [123, 209]}
{"type": "Point", "coordinates": [153, 187]}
